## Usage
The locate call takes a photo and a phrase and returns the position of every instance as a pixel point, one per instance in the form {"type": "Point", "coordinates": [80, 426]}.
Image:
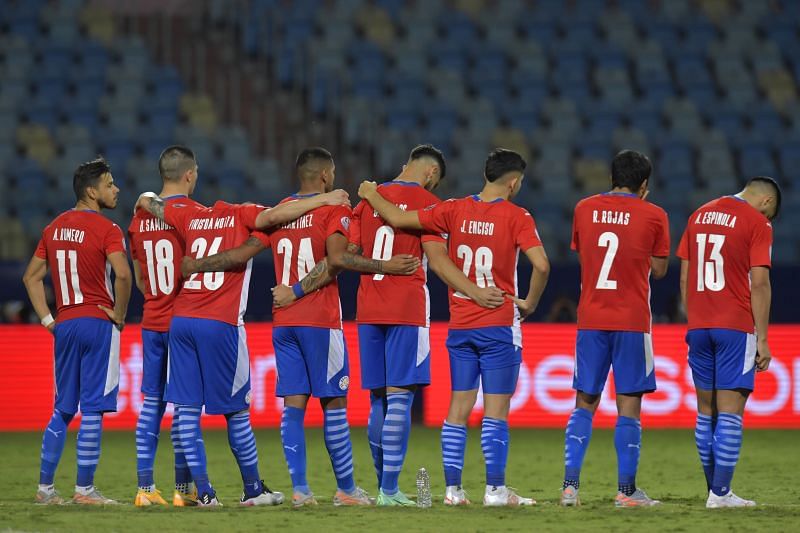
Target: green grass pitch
{"type": "Point", "coordinates": [669, 471]}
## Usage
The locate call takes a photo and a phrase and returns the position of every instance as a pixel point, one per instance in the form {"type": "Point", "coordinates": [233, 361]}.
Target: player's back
{"type": "Point", "coordinates": [723, 240]}
{"type": "Point", "coordinates": [484, 239]}
{"type": "Point", "coordinates": [206, 231]}
{"type": "Point", "coordinates": [76, 245]}
{"type": "Point", "coordinates": [615, 236]}
{"type": "Point", "coordinates": [408, 294]}
{"type": "Point", "coordinates": [158, 248]}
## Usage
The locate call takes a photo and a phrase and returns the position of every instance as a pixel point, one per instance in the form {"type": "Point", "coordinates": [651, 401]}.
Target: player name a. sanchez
{"type": "Point", "coordinates": [153, 224]}
{"type": "Point", "coordinates": [68, 234]}
{"type": "Point", "coordinates": [621, 218]}
{"type": "Point", "coordinates": [477, 227]}
{"type": "Point", "coordinates": [303, 222]}
{"type": "Point", "coordinates": [212, 223]}
{"type": "Point", "coordinates": [716, 218]}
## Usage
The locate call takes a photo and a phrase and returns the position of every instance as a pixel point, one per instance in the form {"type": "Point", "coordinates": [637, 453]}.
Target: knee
{"type": "Point", "coordinates": [589, 402]}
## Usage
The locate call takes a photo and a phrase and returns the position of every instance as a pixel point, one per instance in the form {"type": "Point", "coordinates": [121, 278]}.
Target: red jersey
{"type": "Point", "coordinates": [484, 240]}
{"type": "Point", "coordinates": [408, 294]}
{"type": "Point", "coordinates": [206, 231]}
{"type": "Point", "coordinates": [158, 248]}
{"type": "Point", "coordinates": [76, 246]}
{"type": "Point", "coordinates": [723, 240]}
{"type": "Point", "coordinates": [615, 236]}
{"type": "Point", "coordinates": [298, 246]}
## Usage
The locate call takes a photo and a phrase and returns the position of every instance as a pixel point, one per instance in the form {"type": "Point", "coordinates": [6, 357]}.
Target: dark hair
{"type": "Point", "coordinates": [776, 188]}
{"type": "Point", "coordinates": [88, 174]}
{"type": "Point", "coordinates": [500, 162]}
{"type": "Point", "coordinates": [429, 150]}
{"type": "Point", "coordinates": [629, 169]}
{"type": "Point", "coordinates": [312, 154]}
{"type": "Point", "coordinates": [174, 161]}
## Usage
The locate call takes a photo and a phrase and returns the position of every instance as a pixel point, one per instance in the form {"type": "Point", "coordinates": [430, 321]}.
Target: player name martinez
{"type": "Point", "coordinates": [153, 224]}
{"type": "Point", "coordinates": [212, 223]}
{"type": "Point", "coordinates": [717, 218]}
{"type": "Point", "coordinates": [621, 218]}
{"type": "Point", "coordinates": [68, 234]}
{"type": "Point", "coordinates": [476, 227]}
{"type": "Point", "coordinates": [301, 223]}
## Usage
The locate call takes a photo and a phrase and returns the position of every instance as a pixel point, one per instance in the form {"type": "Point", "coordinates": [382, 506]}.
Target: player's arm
{"type": "Point", "coordinates": [34, 284]}
{"type": "Point", "coordinates": [393, 215]}
{"type": "Point", "coordinates": [122, 288]}
{"type": "Point", "coordinates": [658, 267]}
{"type": "Point", "coordinates": [137, 276]}
{"type": "Point", "coordinates": [440, 263]}
{"type": "Point", "coordinates": [223, 261]}
{"type": "Point", "coordinates": [684, 280]}
{"type": "Point", "coordinates": [541, 271]}
{"type": "Point", "coordinates": [288, 211]}
{"type": "Point", "coordinates": [760, 300]}
{"type": "Point", "coordinates": [152, 203]}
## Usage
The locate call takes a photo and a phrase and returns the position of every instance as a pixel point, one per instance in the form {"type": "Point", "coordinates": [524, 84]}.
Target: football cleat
{"type": "Point", "coordinates": [145, 499]}
{"type": "Point", "coordinates": [637, 499]}
{"type": "Point", "coordinates": [208, 500]}
{"type": "Point", "coordinates": [91, 496]}
{"type": "Point", "coordinates": [300, 499]}
{"type": "Point", "coordinates": [185, 499]}
{"type": "Point", "coordinates": [455, 496]}
{"type": "Point", "coordinates": [505, 497]}
{"type": "Point", "coordinates": [398, 499]}
{"type": "Point", "coordinates": [728, 500]}
{"type": "Point", "coordinates": [48, 497]}
{"type": "Point", "coordinates": [267, 497]}
{"type": "Point", "coordinates": [357, 497]}
{"type": "Point", "coordinates": [569, 497]}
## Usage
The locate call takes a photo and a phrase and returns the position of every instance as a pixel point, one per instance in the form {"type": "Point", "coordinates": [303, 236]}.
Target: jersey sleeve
{"type": "Point", "coordinates": [683, 245]}
{"type": "Point", "coordinates": [114, 240]}
{"type": "Point", "coordinates": [355, 224]}
{"type": "Point", "coordinates": [262, 236]}
{"type": "Point", "coordinates": [41, 249]}
{"type": "Point", "coordinates": [661, 242]}
{"type": "Point", "coordinates": [339, 221]}
{"type": "Point", "coordinates": [761, 245]}
{"type": "Point", "coordinates": [527, 236]}
{"type": "Point", "coordinates": [574, 240]}
{"type": "Point", "coordinates": [437, 218]}
{"type": "Point", "coordinates": [248, 213]}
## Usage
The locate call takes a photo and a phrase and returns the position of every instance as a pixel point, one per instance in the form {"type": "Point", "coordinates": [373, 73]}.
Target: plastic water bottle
{"type": "Point", "coordinates": [423, 488]}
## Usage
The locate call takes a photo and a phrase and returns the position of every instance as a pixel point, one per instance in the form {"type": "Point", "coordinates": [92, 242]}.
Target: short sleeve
{"type": "Point", "coordinates": [41, 249]}
{"type": "Point", "coordinates": [683, 245]}
{"type": "Point", "coordinates": [248, 213]}
{"type": "Point", "coordinates": [661, 242]}
{"type": "Point", "coordinates": [114, 241]}
{"type": "Point", "coordinates": [574, 241]}
{"type": "Point", "coordinates": [262, 236]}
{"type": "Point", "coordinates": [761, 245]}
{"type": "Point", "coordinates": [134, 255]}
{"type": "Point", "coordinates": [527, 236]}
{"type": "Point", "coordinates": [355, 224]}
{"type": "Point", "coordinates": [339, 221]}
{"type": "Point", "coordinates": [437, 218]}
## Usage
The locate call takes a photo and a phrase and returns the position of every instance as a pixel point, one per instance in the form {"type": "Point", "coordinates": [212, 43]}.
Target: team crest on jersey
{"type": "Point", "coordinates": [344, 382]}
{"type": "Point", "coordinates": [247, 397]}
{"type": "Point", "coordinates": [345, 223]}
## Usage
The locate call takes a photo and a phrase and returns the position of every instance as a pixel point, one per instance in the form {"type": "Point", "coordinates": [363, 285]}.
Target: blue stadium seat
{"type": "Point", "coordinates": [756, 161]}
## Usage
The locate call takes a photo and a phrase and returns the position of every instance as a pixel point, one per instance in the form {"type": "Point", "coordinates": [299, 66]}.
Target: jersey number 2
{"type": "Point", "coordinates": [610, 241]}
{"type": "Point", "coordinates": [211, 280]}
{"type": "Point", "coordinates": [483, 265]}
{"type": "Point", "coordinates": [305, 258]}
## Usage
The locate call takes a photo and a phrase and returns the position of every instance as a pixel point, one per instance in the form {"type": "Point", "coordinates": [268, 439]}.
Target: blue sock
{"type": "Point", "coordinates": [193, 447]}
{"type": "Point", "coordinates": [293, 438]}
{"type": "Point", "coordinates": [243, 445]}
{"type": "Point", "coordinates": [89, 435]}
{"type": "Point", "coordinates": [55, 435]}
{"type": "Point", "coordinates": [726, 447]}
{"type": "Point", "coordinates": [337, 441]}
{"type": "Point", "coordinates": [147, 431]}
{"type": "Point", "coordinates": [576, 442]}
{"type": "Point", "coordinates": [454, 443]}
{"type": "Point", "coordinates": [182, 473]}
{"type": "Point", "coordinates": [704, 439]}
{"type": "Point", "coordinates": [628, 442]}
{"type": "Point", "coordinates": [394, 438]}
{"type": "Point", "coordinates": [494, 441]}
{"type": "Point", "coordinates": [377, 412]}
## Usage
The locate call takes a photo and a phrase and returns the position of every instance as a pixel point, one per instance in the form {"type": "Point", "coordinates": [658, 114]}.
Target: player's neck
{"type": "Point", "coordinates": [622, 190]}
{"type": "Point", "coordinates": [87, 205]}
{"type": "Point", "coordinates": [409, 177]}
{"type": "Point", "coordinates": [492, 192]}
{"type": "Point", "coordinates": [308, 190]}
{"type": "Point", "coordinates": [172, 190]}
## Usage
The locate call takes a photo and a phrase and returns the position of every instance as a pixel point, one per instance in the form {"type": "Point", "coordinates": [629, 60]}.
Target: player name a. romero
{"type": "Point", "coordinates": [621, 218]}
{"type": "Point", "coordinates": [716, 218]}
{"type": "Point", "coordinates": [153, 224]}
{"type": "Point", "coordinates": [303, 222]}
{"type": "Point", "coordinates": [477, 227]}
{"type": "Point", "coordinates": [68, 234]}
{"type": "Point", "coordinates": [212, 223]}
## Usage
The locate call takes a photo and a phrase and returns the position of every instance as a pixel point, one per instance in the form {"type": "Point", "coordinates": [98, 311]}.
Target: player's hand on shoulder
{"type": "Point", "coordinates": [282, 295]}
{"type": "Point", "coordinates": [188, 266]}
{"type": "Point", "coordinates": [336, 197]}
{"type": "Point", "coordinates": [488, 297]}
{"type": "Point", "coordinates": [401, 265]}
{"type": "Point", "coordinates": [366, 188]}
{"type": "Point", "coordinates": [525, 308]}
{"type": "Point", "coordinates": [119, 321]}
{"type": "Point", "coordinates": [763, 355]}
{"type": "Point", "coordinates": [144, 197]}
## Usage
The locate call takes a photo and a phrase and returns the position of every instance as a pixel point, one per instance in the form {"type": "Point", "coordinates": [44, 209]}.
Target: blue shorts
{"type": "Point", "coordinates": [155, 347]}
{"type": "Point", "coordinates": [311, 361]}
{"type": "Point", "coordinates": [208, 365]}
{"type": "Point", "coordinates": [394, 356]}
{"type": "Point", "coordinates": [630, 353]}
{"type": "Point", "coordinates": [87, 365]}
{"type": "Point", "coordinates": [722, 358]}
{"type": "Point", "coordinates": [489, 356]}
